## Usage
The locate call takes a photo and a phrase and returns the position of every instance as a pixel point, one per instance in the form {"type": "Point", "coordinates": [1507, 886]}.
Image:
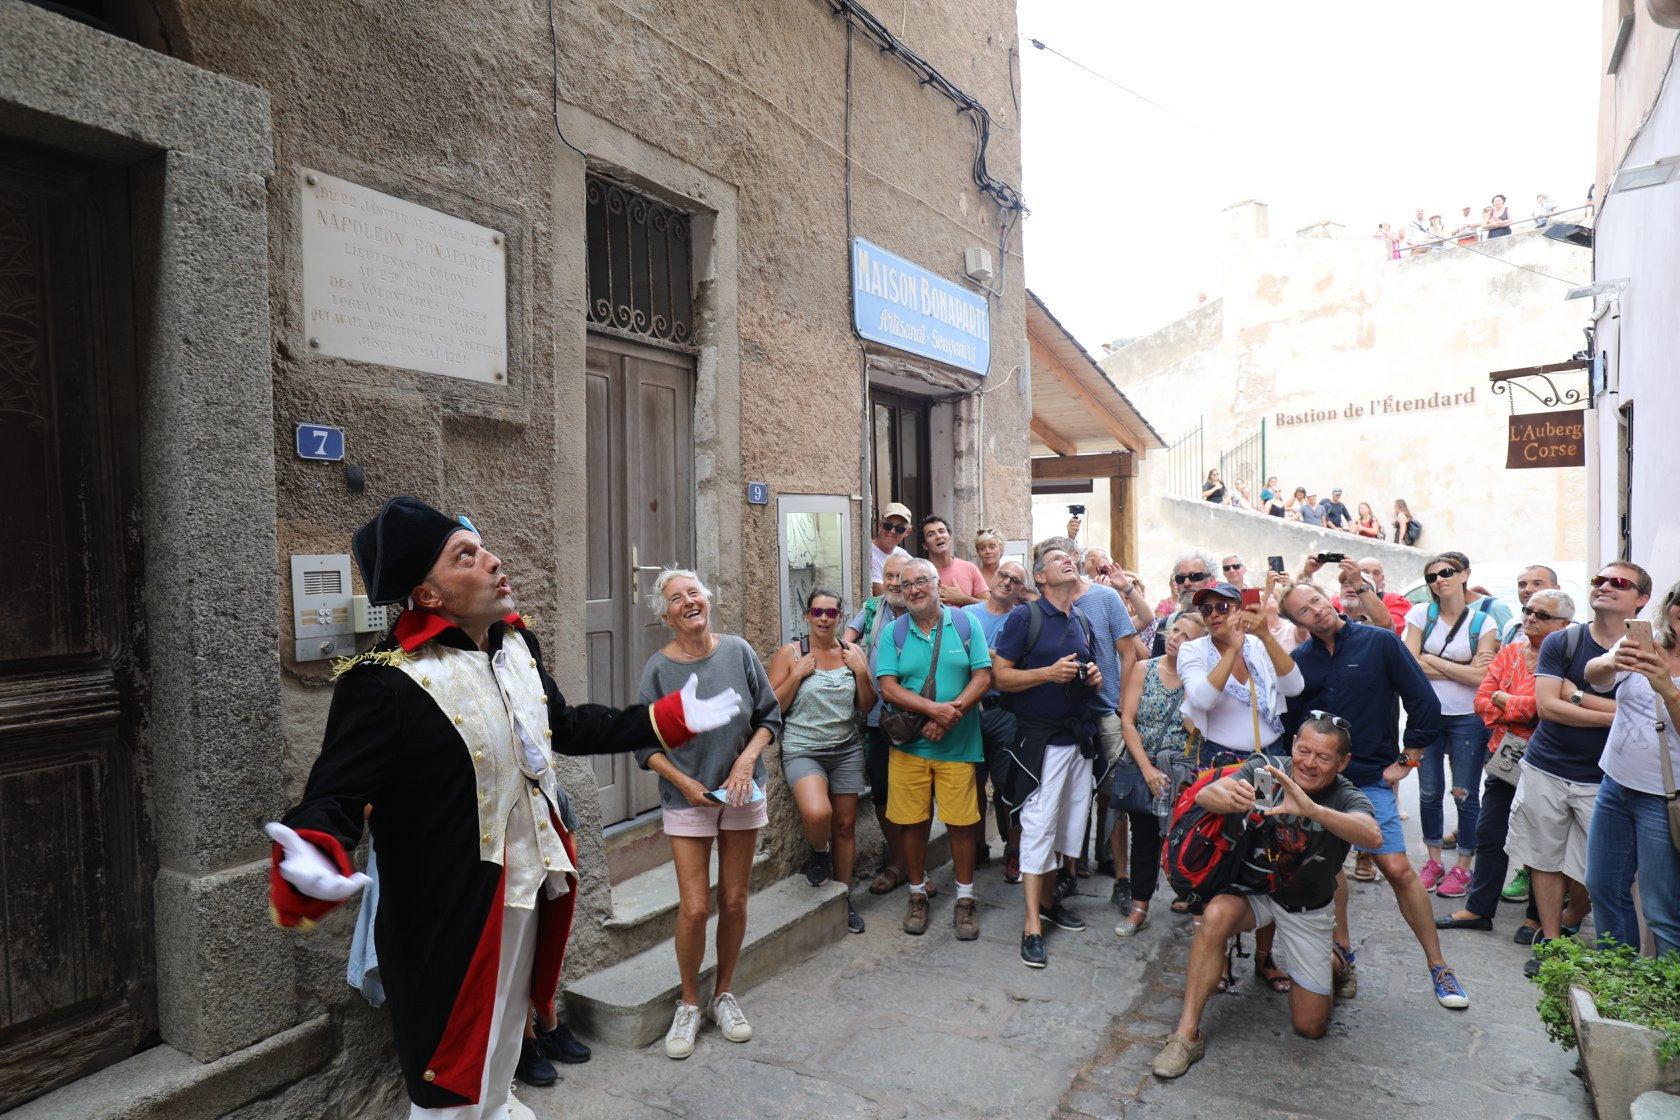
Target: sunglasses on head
{"type": "Point", "coordinates": [1431, 577]}
{"type": "Point", "coordinates": [1216, 606]}
{"type": "Point", "coordinates": [1620, 583]}
{"type": "Point", "coordinates": [1335, 720]}
{"type": "Point", "coordinates": [1189, 577]}
{"type": "Point", "coordinates": [825, 612]}
{"type": "Point", "coordinates": [1530, 612]}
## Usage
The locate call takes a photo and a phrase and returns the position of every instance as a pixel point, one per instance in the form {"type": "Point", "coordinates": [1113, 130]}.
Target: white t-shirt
{"type": "Point", "coordinates": [1630, 752]}
{"type": "Point", "coordinates": [878, 560]}
{"type": "Point", "coordinates": [1456, 699]}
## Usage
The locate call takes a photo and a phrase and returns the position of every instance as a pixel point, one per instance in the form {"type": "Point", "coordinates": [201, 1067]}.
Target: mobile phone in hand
{"type": "Point", "coordinates": [1250, 597]}
{"type": "Point", "coordinates": [1275, 563]}
{"type": "Point", "coordinates": [1639, 633]}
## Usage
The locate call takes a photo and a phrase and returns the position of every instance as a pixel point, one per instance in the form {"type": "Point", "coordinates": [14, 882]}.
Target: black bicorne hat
{"type": "Point", "coordinates": [397, 549]}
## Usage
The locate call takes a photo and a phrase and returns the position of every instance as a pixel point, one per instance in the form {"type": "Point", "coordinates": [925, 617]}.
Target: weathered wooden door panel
{"type": "Point", "coordinates": [76, 989]}
{"type": "Point", "coordinates": [640, 404]}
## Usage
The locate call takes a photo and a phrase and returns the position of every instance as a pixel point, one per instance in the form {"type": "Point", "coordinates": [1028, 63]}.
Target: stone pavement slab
{"type": "Point", "coordinates": [887, 1025]}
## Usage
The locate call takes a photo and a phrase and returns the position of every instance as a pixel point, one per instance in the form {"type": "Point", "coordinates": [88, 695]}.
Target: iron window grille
{"type": "Point", "coordinates": [640, 256]}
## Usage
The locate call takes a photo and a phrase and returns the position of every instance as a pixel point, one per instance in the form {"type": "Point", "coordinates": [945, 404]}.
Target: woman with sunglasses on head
{"type": "Point", "coordinates": [1629, 834]}
{"type": "Point", "coordinates": [988, 554]}
{"type": "Point", "coordinates": [1454, 644]}
{"type": "Point", "coordinates": [1236, 681]}
{"type": "Point", "coordinates": [1506, 704]}
{"type": "Point", "coordinates": [823, 685]}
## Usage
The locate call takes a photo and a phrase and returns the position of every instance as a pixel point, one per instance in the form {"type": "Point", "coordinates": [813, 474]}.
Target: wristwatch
{"type": "Point", "coordinates": [1576, 697]}
{"type": "Point", "coordinates": [1408, 761]}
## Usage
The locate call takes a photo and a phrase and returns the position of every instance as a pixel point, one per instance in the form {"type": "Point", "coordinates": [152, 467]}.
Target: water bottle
{"type": "Point", "coordinates": [1164, 806]}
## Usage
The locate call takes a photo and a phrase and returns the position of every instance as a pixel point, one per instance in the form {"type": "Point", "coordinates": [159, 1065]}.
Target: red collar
{"type": "Point", "coordinates": [415, 628]}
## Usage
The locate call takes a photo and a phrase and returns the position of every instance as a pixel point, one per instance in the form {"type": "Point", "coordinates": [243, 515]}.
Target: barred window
{"type": "Point", "coordinates": [639, 265]}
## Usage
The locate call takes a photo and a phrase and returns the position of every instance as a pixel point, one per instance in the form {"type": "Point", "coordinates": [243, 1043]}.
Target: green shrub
{"type": "Point", "coordinates": [1623, 984]}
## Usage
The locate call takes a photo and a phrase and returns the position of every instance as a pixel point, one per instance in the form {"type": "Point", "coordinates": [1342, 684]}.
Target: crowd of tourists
{"type": "Point", "coordinates": [1303, 505]}
{"type": "Point", "coordinates": [1053, 696]}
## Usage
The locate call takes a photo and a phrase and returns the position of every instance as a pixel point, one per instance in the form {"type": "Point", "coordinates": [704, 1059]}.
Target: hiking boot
{"type": "Point", "coordinates": [679, 1040]}
{"type": "Point", "coordinates": [1061, 917]}
{"type": "Point", "coordinates": [1517, 889]}
{"type": "Point", "coordinates": [562, 1045]}
{"type": "Point", "coordinates": [1430, 874]}
{"type": "Point", "coordinates": [1455, 884]}
{"type": "Point", "coordinates": [726, 1013]}
{"type": "Point", "coordinates": [1364, 867]}
{"type": "Point", "coordinates": [534, 1068]}
{"type": "Point", "coordinates": [916, 914]}
{"type": "Point", "coordinates": [820, 869]}
{"type": "Point", "coordinates": [966, 919]}
{"type": "Point", "coordinates": [1346, 976]}
{"type": "Point", "coordinates": [1032, 950]}
{"type": "Point", "coordinates": [1178, 1055]}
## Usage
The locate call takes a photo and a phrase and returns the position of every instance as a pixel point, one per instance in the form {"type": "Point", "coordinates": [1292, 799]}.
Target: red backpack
{"type": "Point", "coordinates": [1205, 852]}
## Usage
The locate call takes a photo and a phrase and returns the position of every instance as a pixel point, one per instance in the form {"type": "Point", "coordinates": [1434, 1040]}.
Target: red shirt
{"type": "Point", "coordinates": [1397, 606]}
{"type": "Point", "coordinates": [965, 577]}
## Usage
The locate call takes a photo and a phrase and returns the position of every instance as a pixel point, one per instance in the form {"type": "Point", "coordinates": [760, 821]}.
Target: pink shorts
{"type": "Point", "coordinates": [707, 820]}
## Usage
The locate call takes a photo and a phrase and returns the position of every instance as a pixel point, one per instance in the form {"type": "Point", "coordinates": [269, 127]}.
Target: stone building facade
{"type": "Point", "coordinates": [1371, 375]}
{"type": "Point", "coordinates": [181, 154]}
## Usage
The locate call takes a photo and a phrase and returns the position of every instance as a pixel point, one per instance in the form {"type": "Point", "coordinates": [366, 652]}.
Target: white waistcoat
{"type": "Point", "coordinates": [501, 713]}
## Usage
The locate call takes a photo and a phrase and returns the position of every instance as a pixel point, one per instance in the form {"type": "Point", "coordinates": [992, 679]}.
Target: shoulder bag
{"type": "Point", "coordinates": [899, 726]}
{"type": "Point", "coordinates": [1671, 798]}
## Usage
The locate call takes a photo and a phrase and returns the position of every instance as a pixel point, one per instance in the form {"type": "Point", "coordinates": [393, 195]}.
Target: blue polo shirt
{"type": "Point", "coordinates": [1566, 751]}
{"type": "Point", "coordinates": [1059, 635]}
{"type": "Point", "coordinates": [1110, 621]}
{"type": "Point", "coordinates": [1361, 681]}
{"type": "Point", "coordinates": [956, 666]}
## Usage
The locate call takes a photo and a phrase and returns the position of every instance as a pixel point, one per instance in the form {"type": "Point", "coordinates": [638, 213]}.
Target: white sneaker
{"type": "Point", "coordinates": [679, 1040]}
{"type": "Point", "coordinates": [726, 1013]}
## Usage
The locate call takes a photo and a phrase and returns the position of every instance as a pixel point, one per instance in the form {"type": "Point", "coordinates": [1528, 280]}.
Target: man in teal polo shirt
{"type": "Point", "coordinates": [939, 766]}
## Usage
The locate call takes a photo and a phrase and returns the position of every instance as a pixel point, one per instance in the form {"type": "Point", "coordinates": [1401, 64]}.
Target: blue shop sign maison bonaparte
{"type": "Point", "coordinates": [905, 306]}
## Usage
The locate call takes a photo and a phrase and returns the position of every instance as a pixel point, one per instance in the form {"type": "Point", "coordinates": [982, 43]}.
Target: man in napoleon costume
{"type": "Point", "coordinates": [447, 728]}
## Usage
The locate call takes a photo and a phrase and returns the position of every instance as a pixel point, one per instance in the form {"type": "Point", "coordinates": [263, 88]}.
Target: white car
{"type": "Point", "coordinates": [1500, 579]}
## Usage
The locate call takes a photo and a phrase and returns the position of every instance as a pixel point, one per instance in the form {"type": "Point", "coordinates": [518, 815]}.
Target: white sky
{"type": "Point", "coordinates": [1343, 109]}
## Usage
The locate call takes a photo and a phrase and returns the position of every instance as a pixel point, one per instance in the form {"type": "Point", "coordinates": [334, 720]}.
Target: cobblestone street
{"type": "Point", "coordinates": [886, 1025]}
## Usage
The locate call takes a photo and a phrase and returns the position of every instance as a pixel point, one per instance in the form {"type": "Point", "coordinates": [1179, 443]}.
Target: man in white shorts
{"type": "Point", "coordinates": [1311, 820]}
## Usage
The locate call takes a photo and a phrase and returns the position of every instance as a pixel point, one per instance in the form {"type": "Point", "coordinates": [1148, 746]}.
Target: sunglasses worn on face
{"type": "Point", "coordinates": [825, 612]}
{"type": "Point", "coordinates": [1233, 567]}
{"type": "Point", "coordinates": [1620, 583]}
{"type": "Point", "coordinates": [1216, 606]}
{"type": "Point", "coordinates": [1530, 612]}
{"type": "Point", "coordinates": [1431, 577]}
{"type": "Point", "coordinates": [1189, 577]}
{"type": "Point", "coordinates": [896, 527]}
{"type": "Point", "coordinates": [1007, 578]}
{"type": "Point", "coordinates": [1335, 720]}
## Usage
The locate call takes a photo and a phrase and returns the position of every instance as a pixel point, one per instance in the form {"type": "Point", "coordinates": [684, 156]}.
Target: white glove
{"type": "Point", "coordinates": [710, 713]}
{"type": "Point", "coordinates": [305, 868]}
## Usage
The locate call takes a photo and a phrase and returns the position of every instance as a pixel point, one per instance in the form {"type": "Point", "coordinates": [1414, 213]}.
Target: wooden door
{"type": "Point", "coordinates": [76, 973]}
{"type": "Point", "coordinates": [640, 423]}
{"type": "Point", "coordinates": [899, 458]}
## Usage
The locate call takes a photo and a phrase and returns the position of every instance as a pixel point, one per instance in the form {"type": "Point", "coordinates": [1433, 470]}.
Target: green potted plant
{"type": "Point", "coordinates": [1621, 1011]}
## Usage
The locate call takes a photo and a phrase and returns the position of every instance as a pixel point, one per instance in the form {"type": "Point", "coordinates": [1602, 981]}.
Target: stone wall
{"type": "Point", "coordinates": [1220, 531]}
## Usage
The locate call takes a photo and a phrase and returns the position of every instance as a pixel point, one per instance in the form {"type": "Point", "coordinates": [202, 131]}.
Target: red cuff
{"type": "Point", "coordinates": [288, 908]}
{"type": "Point", "coordinates": [667, 716]}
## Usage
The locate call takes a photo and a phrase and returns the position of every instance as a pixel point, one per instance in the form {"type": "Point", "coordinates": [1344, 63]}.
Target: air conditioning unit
{"type": "Point", "coordinates": [977, 263]}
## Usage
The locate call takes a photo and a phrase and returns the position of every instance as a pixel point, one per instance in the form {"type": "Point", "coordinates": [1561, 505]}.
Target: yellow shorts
{"type": "Point", "coordinates": [912, 780]}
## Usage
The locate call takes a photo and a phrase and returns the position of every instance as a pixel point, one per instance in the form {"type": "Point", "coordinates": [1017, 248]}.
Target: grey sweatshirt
{"type": "Point", "coordinates": [708, 756]}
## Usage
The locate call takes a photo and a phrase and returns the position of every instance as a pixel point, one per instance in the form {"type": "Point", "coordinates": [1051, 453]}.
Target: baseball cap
{"type": "Point", "coordinates": [1334, 490]}
{"type": "Point", "coordinates": [896, 509]}
{"type": "Point", "coordinates": [1218, 591]}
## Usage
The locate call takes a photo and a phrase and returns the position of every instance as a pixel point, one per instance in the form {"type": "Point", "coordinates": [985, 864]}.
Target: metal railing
{"type": "Point", "coordinates": [1245, 462]}
{"type": "Point", "coordinates": [1184, 465]}
{"type": "Point", "coordinates": [1188, 463]}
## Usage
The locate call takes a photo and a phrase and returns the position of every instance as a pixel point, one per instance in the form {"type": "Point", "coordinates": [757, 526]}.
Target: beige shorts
{"type": "Point", "coordinates": [1304, 941]}
{"type": "Point", "coordinates": [1549, 820]}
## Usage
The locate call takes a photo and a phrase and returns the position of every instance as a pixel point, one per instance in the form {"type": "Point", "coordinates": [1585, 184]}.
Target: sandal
{"type": "Point", "coordinates": [1179, 906]}
{"type": "Point", "coordinates": [888, 879]}
{"type": "Point", "coordinates": [1275, 978]}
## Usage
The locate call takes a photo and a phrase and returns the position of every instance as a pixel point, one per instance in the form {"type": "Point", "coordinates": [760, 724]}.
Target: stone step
{"type": "Point", "coordinates": [631, 1003]}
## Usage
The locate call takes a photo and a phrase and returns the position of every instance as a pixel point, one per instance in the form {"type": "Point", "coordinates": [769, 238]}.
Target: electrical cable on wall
{"type": "Point", "coordinates": [554, 81]}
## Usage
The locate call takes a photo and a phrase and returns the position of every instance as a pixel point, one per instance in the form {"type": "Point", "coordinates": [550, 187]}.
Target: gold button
{"type": "Point", "coordinates": [426, 682]}
{"type": "Point", "coordinates": [545, 698]}
{"type": "Point", "coordinates": [478, 756]}
{"type": "Point", "coordinates": [546, 862]}
{"type": "Point", "coordinates": [459, 721]}
{"type": "Point", "coordinates": [482, 798]}
{"type": "Point", "coordinates": [542, 824]}
{"type": "Point", "coordinates": [485, 838]}
{"type": "Point", "coordinates": [548, 733]}
{"type": "Point", "coordinates": [533, 663]}
{"type": "Point", "coordinates": [429, 1075]}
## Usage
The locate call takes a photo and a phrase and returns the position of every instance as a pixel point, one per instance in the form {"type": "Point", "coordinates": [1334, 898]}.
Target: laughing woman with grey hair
{"type": "Point", "coordinates": [712, 790]}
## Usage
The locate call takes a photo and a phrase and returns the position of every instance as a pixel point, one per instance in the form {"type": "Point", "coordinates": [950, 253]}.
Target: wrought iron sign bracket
{"type": "Point", "coordinates": [1552, 396]}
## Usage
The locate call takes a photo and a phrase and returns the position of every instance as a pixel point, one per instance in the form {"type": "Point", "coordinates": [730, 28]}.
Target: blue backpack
{"type": "Point", "coordinates": [1477, 618]}
{"type": "Point", "coordinates": [960, 619]}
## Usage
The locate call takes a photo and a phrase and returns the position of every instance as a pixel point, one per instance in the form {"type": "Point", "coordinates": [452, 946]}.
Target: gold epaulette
{"type": "Point", "coordinates": [390, 658]}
